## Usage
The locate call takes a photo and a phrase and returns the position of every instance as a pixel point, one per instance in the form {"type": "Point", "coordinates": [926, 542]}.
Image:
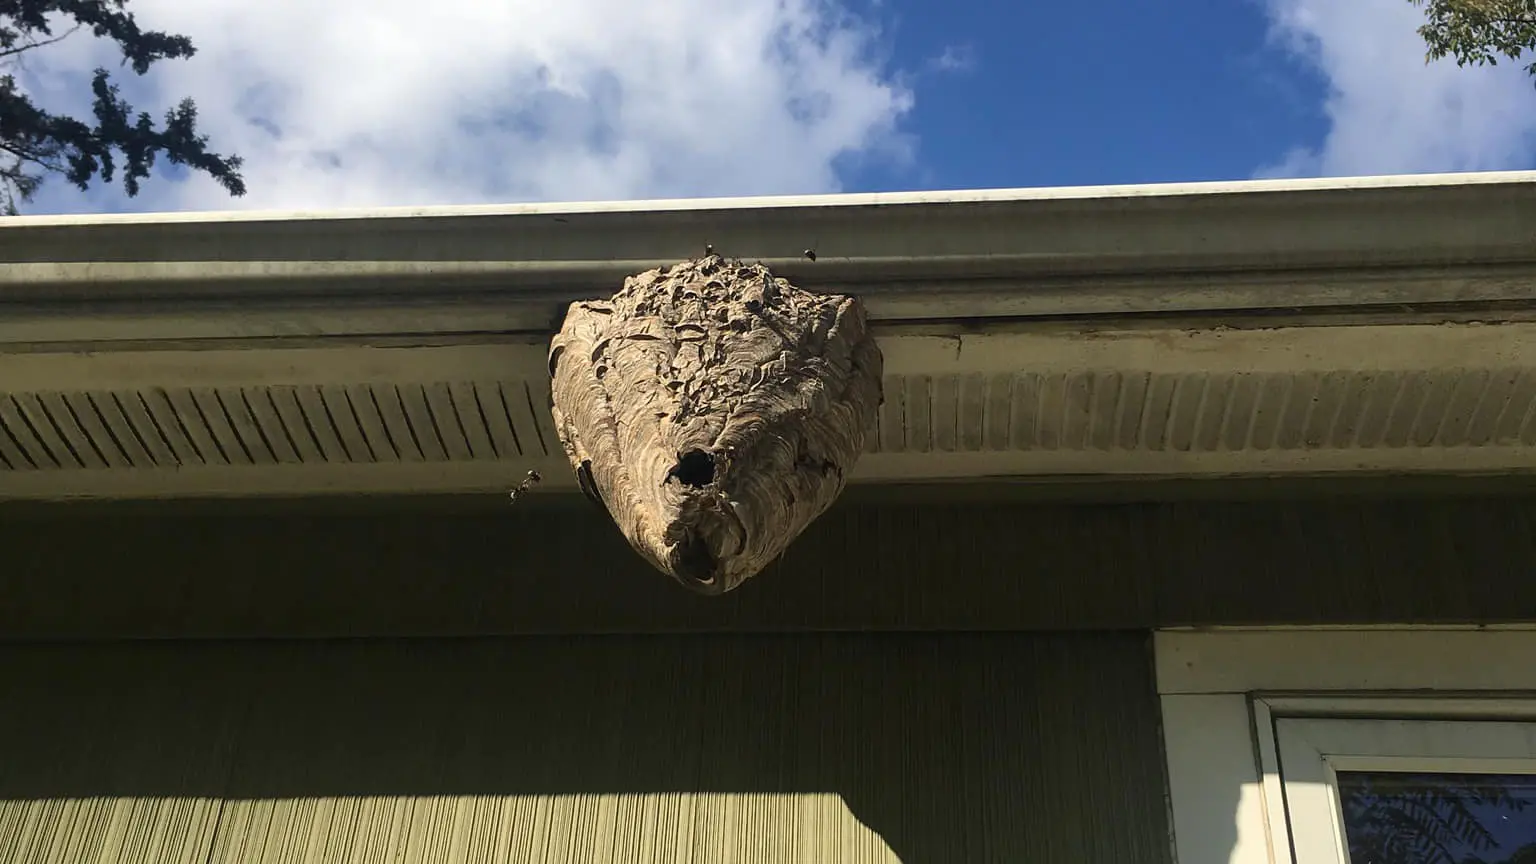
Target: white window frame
{"type": "Point", "coordinates": [1313, 749]}
{"type": "Point", "coordinates": [1223, 691]}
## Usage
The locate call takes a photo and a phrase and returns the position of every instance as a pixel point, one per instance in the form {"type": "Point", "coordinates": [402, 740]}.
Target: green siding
{"type": "Point", "coordinates": [425, 570]}
{"type": "Point", "coordinates": [986, 747]}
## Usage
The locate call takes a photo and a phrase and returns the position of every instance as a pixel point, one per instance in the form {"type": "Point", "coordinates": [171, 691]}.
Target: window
{"type": "Point", "coordinates": [1351, 746]}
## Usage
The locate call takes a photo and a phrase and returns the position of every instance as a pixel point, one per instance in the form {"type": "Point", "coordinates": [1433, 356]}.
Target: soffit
{"type": "Point", "coordinates": [1027, 401]}
{"type": "Point", "coordinates": [1204, 330]}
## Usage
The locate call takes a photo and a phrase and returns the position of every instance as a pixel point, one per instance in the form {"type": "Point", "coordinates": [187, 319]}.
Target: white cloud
{"type": "Point", "coordinates": [386, 102]}
{"type": "Point", "coordinates": [1391, 113]}
{"type": "Point", "coordinates": [955, 58]}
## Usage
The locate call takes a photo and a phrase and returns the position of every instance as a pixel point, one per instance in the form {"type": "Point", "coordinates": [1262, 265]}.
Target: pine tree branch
{"type": "Point", "coordinates": [33, 43]}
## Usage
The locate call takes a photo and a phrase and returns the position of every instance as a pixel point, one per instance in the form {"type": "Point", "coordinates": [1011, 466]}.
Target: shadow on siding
{"type": "Point", "coordinates": [1002, 747]}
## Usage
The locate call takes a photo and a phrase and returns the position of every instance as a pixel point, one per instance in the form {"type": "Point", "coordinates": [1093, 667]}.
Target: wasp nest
{"type": "Point", "coordinates": [715, 411]}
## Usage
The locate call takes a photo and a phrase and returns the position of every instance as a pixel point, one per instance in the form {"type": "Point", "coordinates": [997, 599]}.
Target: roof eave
{"type": "Point", "coordinates": [235, 355]}
{"type": "Point", "coordinates": [1190, 248]}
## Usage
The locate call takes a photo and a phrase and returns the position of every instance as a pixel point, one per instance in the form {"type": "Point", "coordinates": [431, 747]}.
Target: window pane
{"type": "Point", "coordinates": [1402, 818]}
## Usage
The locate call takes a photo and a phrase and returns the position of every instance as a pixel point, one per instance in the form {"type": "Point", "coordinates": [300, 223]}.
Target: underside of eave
{"type": "Point", "coordinates": [1336, 327]}
{"type": "Point", "coordinates": [1022, 401]}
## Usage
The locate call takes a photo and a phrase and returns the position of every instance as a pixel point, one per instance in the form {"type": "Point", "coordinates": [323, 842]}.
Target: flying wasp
{"type": "Point", "coordinates": [532, 479]}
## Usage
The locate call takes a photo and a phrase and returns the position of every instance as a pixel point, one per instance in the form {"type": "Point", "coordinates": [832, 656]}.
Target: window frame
{"type": "Point", "coordinates": [1312, 749]}
{"type": "Point", "coordinates": [1222, 693]}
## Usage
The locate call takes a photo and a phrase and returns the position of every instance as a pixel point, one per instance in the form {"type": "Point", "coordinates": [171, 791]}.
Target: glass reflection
{"type": "Point", "coordinates": [1403, 818]}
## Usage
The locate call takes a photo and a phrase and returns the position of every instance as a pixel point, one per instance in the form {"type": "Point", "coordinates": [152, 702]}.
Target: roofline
{"type": "Point", "coordinates": [1199, 248]}
{"type": "Point", "coordinates": [773, 202]}
{"type": "Point", "coordinates": [240, 355]}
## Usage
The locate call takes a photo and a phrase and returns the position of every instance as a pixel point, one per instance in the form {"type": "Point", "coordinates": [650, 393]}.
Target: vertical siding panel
{"type": "Point", "coordinates": [111, 755]}
{"type": "Point", "coordinates": [961, 565]}
{"type": "Point", "coordinates": [861, 748]}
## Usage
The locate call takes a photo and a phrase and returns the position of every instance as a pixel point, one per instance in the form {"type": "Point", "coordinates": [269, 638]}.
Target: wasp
{"type": "Point", "coordinates": [532, 479]}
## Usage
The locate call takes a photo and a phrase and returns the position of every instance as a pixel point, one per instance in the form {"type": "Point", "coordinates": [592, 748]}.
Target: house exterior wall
{"type": "Point", "coordinates": [924, 680]}
{"type": "Point", "coordinates": [873, 747]}
{"type": "Point", "coordinates": [943, 677]}
{"type": "Point", "coordinates": [414, 569]}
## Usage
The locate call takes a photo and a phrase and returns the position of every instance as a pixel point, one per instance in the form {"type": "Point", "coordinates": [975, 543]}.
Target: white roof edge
{"type": "Point", "coordinates": [870, 199]}
{"type": "Point", "coordinates": [1217, 248]}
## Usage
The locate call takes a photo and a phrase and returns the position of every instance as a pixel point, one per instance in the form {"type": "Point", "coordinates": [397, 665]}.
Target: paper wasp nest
{"type": "Point", "coordinates": [715, 411]}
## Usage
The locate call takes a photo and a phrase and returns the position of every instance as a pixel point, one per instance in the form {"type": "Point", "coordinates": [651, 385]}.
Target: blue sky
{"type": "Point", "coordinates": [370, 103]}
{"type": "Point", "coordinates": [1099, 92]}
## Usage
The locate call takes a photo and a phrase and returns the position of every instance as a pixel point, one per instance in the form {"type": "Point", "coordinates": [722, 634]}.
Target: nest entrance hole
{"type": "Point", "coordinates": [695, 469]}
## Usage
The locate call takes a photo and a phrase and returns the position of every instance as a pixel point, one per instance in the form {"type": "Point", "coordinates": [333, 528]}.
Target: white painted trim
{"type": "Point", "coordinates": [1519, 626]}
{"type": "Point", "coordinates": [1162, 350]}
{"type": "Point", "coordinates": [1427, 461]}
{"type": "Point", "coordinates": [482, 477]}
{"type": "Point", "coordinates": [866, 199]}
{"type": "Point", "coordinates": [492, 475]}
{"type": "Point", "coordinates": [1278, 841]}
{"type": "Point", "coordinates": [947, 442]}
{"type": "Point", "coordinates": [1223, 691]}
{"type": "Point", "coordinates": [927, 257]}
{"type": "Point", "coordinates": [1314, 750]}
{"type": "Point", "coordinates": [1345, 660]}
{"type": "Point", "coordinates": [1309, 789]}
{"type": "Point", "coordinates": [511, 359]}
{"type": "Point", "coordinates": [1216, 800]}
{"type": "Point", "coordinates": [50, 316]}
{"type": "Point", "coordinates": [1428, 704]}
